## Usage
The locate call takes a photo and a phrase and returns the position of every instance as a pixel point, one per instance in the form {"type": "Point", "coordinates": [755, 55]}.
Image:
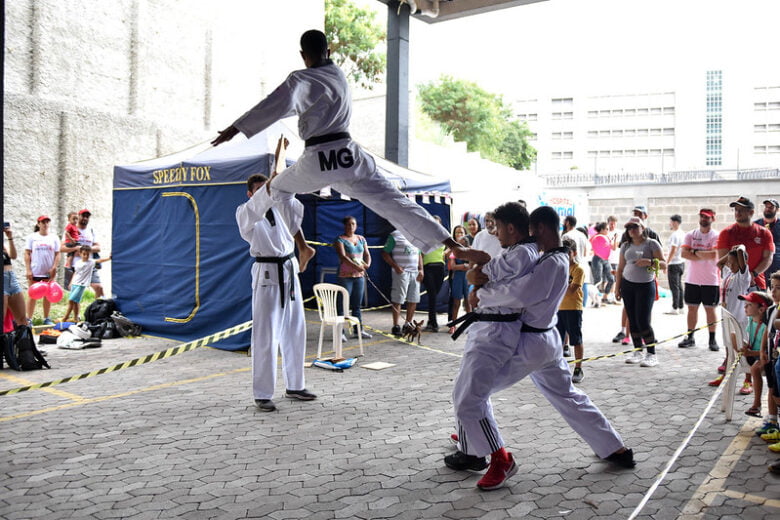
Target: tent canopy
{"type": "Point", "coordinates": [180, 268]}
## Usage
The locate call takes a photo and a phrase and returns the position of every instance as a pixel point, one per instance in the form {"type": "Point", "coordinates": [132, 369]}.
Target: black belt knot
{"type": "Point", "coordinates": [470, 317]}
{"type": "Point", "coordinates": [319, 139]}
{"type": "Point", "coordinates": [280, 261]}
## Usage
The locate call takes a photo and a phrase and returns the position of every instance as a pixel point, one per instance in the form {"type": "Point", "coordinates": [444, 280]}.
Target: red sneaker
{"type": "Point", "coordinates": [454, 438]}
{"type": "Point", "coordinates": [717, 381]}
{"type": "Point", "coordinates": [497, 473]}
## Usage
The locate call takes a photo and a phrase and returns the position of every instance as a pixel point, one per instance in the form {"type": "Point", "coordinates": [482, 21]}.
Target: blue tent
{"type": "Point", "coordinates": [181, 270]}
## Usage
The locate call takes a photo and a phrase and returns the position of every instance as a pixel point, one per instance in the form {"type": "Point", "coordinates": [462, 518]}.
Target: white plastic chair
{"type": "Point", "coordinates": [327, 295]}
{"type": "Point", "coordinates": [733, 338]}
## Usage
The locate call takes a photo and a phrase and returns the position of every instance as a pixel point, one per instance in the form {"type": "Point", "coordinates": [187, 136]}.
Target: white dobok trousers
{"type": "Point", "coordinates": [346, 167]}
{"type": "Point", "coordinates": [274, 327]}
{"type": "Point", "coordinates": [497, 356]}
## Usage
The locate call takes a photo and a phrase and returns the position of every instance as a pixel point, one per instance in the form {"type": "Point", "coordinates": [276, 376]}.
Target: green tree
{"type": "Point", "coordinates": [353, 35]}
{"type": "Point", "coordinates": [478, 118]}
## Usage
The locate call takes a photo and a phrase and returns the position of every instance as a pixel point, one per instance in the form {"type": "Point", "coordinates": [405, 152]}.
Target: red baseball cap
{"type": "Point", "coordinates": [43, 217]}
{"type": "Point", "coordinates": [707, 212]}
{"type": "Point", "coordinates": [85, 212]}
{"type": "Point", "coordinates": [757, 297]}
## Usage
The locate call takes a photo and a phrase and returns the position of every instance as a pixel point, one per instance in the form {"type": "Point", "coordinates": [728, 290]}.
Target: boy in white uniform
{"type": "Point", "coordinates": [277, 303]}
{"type": "Point", "coordinates": [530, 348]}
{"type": "Point", "coordinates": [320, 96]}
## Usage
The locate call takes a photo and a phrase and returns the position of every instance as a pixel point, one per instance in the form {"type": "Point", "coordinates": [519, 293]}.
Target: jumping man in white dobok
{"type": "Point", "coordinates": [320, 96]}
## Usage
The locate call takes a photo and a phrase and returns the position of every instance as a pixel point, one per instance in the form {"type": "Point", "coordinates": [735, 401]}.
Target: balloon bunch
{"type": "Point", "coordinates": [52, 291]}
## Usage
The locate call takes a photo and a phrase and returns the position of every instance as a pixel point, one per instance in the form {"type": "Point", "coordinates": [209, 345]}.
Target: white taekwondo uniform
{"type": "Point", "coordinates": [277, 309]}
{"type": "Point", "coordinates": [536, 354]}
{"type": "Point", "coordinates": [320, 97]}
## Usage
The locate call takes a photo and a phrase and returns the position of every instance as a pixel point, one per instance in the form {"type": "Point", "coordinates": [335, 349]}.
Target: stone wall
{"type": "Point", "coordinates": [90, 84]}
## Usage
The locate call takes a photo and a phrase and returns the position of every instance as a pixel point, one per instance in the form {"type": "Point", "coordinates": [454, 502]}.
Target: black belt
{"type": "Point", "coordinates": [528, 328]}
{"type": "Point", "coordinates": [319, 139]}
{"type": "Point", "coordinates": [470, 317]}
{"type": "Point", "coordinates": [280, 261]}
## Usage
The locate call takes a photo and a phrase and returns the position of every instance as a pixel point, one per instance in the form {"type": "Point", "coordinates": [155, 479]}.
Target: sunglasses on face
{"type": "Point", "coordinates": [630, 228]}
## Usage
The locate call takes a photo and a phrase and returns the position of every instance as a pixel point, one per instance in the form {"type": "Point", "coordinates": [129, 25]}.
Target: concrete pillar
{"type": "Point", "coordinates": [397, 105]}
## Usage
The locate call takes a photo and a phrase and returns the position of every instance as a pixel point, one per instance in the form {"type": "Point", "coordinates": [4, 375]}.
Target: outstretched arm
{"type": "Point", "coordinates": [225, 135]}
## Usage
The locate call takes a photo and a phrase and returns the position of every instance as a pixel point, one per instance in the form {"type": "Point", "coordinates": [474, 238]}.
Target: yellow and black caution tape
{"type": "Point", "coordinates": [624, 352]}
{"type": "Point", "coordinates": [403, 340]}
{"type": "Point", "coordinates": [326, 244]}
{"type": "Point", "coordinates": [139, 361]}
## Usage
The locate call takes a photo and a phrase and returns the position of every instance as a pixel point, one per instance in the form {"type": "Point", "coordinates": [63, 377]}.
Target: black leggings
{"type": "Point", "coordinates": [638, 299]}
{"type": "Point", "coordinates": [433, 278]}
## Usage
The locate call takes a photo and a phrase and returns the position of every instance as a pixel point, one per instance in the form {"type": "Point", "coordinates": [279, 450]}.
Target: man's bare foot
{"type": "Point", "coordinates": [304, 255]}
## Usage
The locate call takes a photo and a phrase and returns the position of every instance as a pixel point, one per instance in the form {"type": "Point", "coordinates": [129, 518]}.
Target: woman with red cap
{"type": "Point", "coordinates": [41, 257]}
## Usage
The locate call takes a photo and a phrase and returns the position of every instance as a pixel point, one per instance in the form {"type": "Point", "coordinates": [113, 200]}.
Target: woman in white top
{"type": "Point", "coordinates": [41, 258]}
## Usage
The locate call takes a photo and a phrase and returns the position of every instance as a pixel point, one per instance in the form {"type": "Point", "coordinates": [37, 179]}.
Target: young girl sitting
{"type": "Point", "coordinates": [756, 304]}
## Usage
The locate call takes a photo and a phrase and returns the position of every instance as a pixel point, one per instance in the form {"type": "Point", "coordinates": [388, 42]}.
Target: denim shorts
{"type": "Point", "coordinates": [10, 283]}
{"type": "Point", "coordinates": [76, 293]}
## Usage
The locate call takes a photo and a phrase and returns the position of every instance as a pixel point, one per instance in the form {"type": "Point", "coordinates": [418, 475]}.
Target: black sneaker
{"type": "Point", "coordinates": [688, 342]}
{"type": "Point", "coordinates": [408, 327]}
{"type": "Point", "coordinates": [460, 461]}
{"type": "Point", "coordinates": [714, 346]}
{"type": "Point", "coordinates": [396, 331]}
{"type": "Point", "coordinates": [577, 376]}
{"type": "Point", "coordinates": [624, 459]}
{"type": "Point", "coordinates": [265, 405]}
{"type": "Point", "coordinates": [303, 395]}
{"type": "Point", "coordinates": [431, 328]}
{"type": "Point", "coordinates": [618, 337]}
{"type": "Point", "coordinates": [566, 351]}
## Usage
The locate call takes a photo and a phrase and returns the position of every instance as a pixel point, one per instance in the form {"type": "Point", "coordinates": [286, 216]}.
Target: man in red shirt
{"type": "Point", "coordinates": [756, 239]}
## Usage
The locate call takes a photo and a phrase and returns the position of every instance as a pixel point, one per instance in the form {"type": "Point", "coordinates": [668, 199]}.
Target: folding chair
{"type": "Point", "coordinates": [327, 295]}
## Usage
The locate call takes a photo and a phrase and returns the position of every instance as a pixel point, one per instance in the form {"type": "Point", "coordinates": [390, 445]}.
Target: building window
{"type": "Point", "coordinates": [714, 118]}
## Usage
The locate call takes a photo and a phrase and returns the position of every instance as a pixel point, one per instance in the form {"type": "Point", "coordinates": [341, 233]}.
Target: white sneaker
{"type": "Point", "coordinates": [680, 311]}
{"type": "Point", "coordinates": [635, 357]}
{"type": "Point", "coordinates": [649, 361]}
{"type": "Point", "coordinates": [672, 311]}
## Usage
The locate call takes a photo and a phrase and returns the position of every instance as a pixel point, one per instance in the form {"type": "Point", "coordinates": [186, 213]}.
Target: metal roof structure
{"type": "Point", "coordinates": [436, 11]}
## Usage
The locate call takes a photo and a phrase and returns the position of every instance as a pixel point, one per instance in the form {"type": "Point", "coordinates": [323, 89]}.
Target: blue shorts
{"type": "Point", "coordinates": [460, 287]}
{"type": "Point", "coordinates": [10, 283]}
{"type": "Point", "coordinates": [777, 378]}
{"type": "Point", "coordinates": [76, 293]}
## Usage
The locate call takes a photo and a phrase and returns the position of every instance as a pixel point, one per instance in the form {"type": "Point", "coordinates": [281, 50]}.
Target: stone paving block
{"type": "Point", "coordinates": [365, 441]}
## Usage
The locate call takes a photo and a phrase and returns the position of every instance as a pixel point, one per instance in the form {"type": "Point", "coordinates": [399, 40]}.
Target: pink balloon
{"type": "Point", "coordinates": [55, 292]}
{"type": "Point", "coordinates": [38, 290]}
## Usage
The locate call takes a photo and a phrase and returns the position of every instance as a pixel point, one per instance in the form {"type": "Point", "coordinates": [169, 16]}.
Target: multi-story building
{"type": "Point", "coordinates": [714, 120]}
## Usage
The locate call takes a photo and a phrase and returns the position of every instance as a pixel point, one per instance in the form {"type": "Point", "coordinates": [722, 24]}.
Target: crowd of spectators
{"type": "Point", "coordinates": [43, 252]}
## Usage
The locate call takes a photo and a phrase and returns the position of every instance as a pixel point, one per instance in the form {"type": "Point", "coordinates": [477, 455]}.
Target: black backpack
{"type": "Point", "coordinates": [20, 352]}
{"type": "Point", "coordinates": [124, 326]}
{"type": "Point", "coordinates": [98, 311]}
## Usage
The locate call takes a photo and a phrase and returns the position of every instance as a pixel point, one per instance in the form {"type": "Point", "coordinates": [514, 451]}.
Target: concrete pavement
{"type": "Point", "coordinates": [181, 438]}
